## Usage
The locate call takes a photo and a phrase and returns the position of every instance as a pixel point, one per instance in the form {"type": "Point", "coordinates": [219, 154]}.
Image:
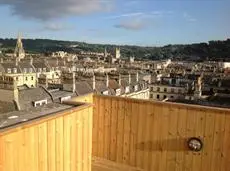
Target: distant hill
{"type": "Point", "coordinates": [213, 50]}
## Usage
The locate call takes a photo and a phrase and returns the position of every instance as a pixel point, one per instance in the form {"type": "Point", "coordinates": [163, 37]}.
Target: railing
{"type": "Point", "coordinates": [153, 135]}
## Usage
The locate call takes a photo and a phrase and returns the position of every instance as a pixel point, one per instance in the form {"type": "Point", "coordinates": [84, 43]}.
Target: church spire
{"type": "Point", "coordinates": [19, 52]}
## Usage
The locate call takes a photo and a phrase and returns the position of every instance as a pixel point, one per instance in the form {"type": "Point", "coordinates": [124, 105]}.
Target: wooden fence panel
{"type": "Point", "coordinates": [153, 135]}
{"type": "Point", "coordinates": [55, 143]}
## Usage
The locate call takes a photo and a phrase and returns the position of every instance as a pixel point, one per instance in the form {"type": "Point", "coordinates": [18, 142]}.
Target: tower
{"type": "Point", "coordinates": [105, 53]}
{"type": "Point", "coordinates": [19, 52]}
{"type": "Point", "coordinates": [118, 53]}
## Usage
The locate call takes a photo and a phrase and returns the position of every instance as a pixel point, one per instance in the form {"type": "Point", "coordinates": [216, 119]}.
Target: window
{"type": "Point", "coordinates": [118, 92]}
{"type": "Point", "coordinates": [172, 97]}
{"type": "Point", "coordinates": [16, 78]}
{"type": "Point", "coordinates": [179, 91]}
{"type": "Point", "coordinates": [165, 96]}
{"type": "Point", "coordinates": [158, 88]}
{"type": "Point", "coordinates": [172, 90]}
{"type": "Point", "coordinates": [44, 69]}
{"type": "Point", "coordinates": [151, 96]}
{"type": "Point", "coordinates": [105, 92]}
{"type": "Point", "coordinates": [151, 88]}
{"type": "Point", "coordinates": [165, 89]}
{"type": "Point", "coordinates": [26, 78]}
{"type": "Point", "coordinates": [15, 70]}
{"type": "Point", "coordinates": [9, 70]}
{"type": "Point", "coordinates": [25, 70]}
{"type": "Point", "coordinates": [32, 78]}
{"type": "Point", "coordinates": [39, 70]}
{"type": "Point", "coordinates": [31, 70]}
{"type": "Point", "coordinates": [158, 96]}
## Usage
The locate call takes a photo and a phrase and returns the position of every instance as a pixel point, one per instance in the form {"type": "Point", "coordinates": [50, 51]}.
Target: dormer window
{"type": "Point", "coordinates": [15, 70]}
{"type": "Point", "coordinates": [105, 92]}
{"type": "Point", "coordinates": [118, 92]}
{"type": "Point", "coordinates": [8, 70]}
{"type": "Point", "coordinates": [136, 88]}
{"type": "Point", "coordinates": [65, 98]}
{"type": "Point", "coordinates": [40, 103]}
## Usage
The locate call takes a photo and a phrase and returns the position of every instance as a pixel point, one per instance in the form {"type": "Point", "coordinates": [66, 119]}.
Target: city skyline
{"type": "Point", "coordinates": [148, 23]}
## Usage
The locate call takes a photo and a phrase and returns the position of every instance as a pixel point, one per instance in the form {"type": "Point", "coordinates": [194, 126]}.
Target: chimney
{"type": "Point", "coordinates": [137, 79]}
{"type": "Point", "coordinates": [64, 62]}
{"type": "Point", "coordinates": [119, 79]}
{"type": "Point", "coordinates": [31, 61]}
{"type": "Point", "coordinates": [130, 81]}
{"type": "Point", "coordinates": [16, 61]}
{"type": "Point", "coordinates": [74, 83]}
{"type": "Point", "coordinates": [16, 95]}
{"type": "Point", "coordinates": [107, 80]}
{"type": "Point", "coordinates": [47, 84]}
{"type": "Point", "coordinates": [45, 60]}
{"type": "Point", "coordinates": [94, 82]}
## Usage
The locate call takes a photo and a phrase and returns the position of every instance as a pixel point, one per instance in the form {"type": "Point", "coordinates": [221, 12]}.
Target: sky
{"type": "Point", "coordinates": [132, 22]}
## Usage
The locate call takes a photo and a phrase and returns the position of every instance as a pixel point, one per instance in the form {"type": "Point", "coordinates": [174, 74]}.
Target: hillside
{"type": "Point", "coordinates": [213, 50]}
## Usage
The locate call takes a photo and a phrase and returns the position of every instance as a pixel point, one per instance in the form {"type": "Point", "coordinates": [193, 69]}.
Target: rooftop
{"type": "Point", "coordinates": [17, 117]}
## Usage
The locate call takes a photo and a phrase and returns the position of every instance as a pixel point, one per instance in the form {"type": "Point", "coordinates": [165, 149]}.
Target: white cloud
{"type": "Point", "coordinates": [48, 9]}
{"type": "Point", "coordinates": [189, 17]}
{"type": "Point", "coordinates": [55, 26]}
{"type": "Point", "coordinates": [134, 24]}
{"type": "Point", "coordinates": [125, 15]}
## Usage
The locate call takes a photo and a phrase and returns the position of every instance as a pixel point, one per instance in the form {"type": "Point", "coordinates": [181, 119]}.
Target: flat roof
{"type": "Point", "coordinates": [17, 117]}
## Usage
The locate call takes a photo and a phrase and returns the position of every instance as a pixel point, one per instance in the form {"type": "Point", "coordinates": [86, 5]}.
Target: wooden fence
{"type": "Point", "coordinates": [61, 142]}
{"type": "Point", "coordinates": [153, 135]}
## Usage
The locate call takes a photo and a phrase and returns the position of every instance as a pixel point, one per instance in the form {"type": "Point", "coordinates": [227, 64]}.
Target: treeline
{"type": "Point", "coordinates": [213, 50]}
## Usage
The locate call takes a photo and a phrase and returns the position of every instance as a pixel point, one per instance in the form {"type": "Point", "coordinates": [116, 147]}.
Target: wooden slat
{"type": "Point", "coordinates": [225, 156]}
{"type": "Point", "coordinates": [101, 127]}
{"type": "Point", "coordinates": [190, 132]}
{"type": "Point", "coordinates": [147, 114]}
{"type": "Point", "coordinates": [73, 140]}
{"type": "Point", "coordinates": [127, 133]}
{"type": "Point", "coordinates": [51, 145]}
{"type": "Point", "coordinates": [85, 143]}
{"type": "Point", "coordinates": [95, 126]}
{"type": "Point", "coordinates": [1, 153]}
{"type": "Point", "coordinates": [172, 140]}
{"type": "Point", "coordinates": [199, 133]}
{"type": "Point", "coordinates": [79, 141]}
{"type": "Point", "coordinates": [120, 131]}
{"type": "Point", "coordinates": [66, 143]}
{"type": "Point", "coordinates": [107, 128]}
{"type": "Point", "coordinates": [90, 127]}
{"type": "Point", "coordinates": [208, 138]}
{"type": "Point", "coordinates": [113, 131]}
{"type": "Point", "coordinates": [59, 144]}
{"type": "Point", "coordinates": [134, 133]}
{"type": "Point", "coordinates": [42, 132]}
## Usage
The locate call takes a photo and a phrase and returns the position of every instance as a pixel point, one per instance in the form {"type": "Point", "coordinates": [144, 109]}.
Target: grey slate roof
{"type": "Point", "coordinates": [83, 88]}
{"type": "Point", "coordinates": [28, 96]}
{"type": "Point", "coordinates": [11, 65]}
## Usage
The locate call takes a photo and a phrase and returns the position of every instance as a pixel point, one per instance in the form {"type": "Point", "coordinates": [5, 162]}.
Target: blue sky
{"type": "Point", "coordinates": [136, 22]}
